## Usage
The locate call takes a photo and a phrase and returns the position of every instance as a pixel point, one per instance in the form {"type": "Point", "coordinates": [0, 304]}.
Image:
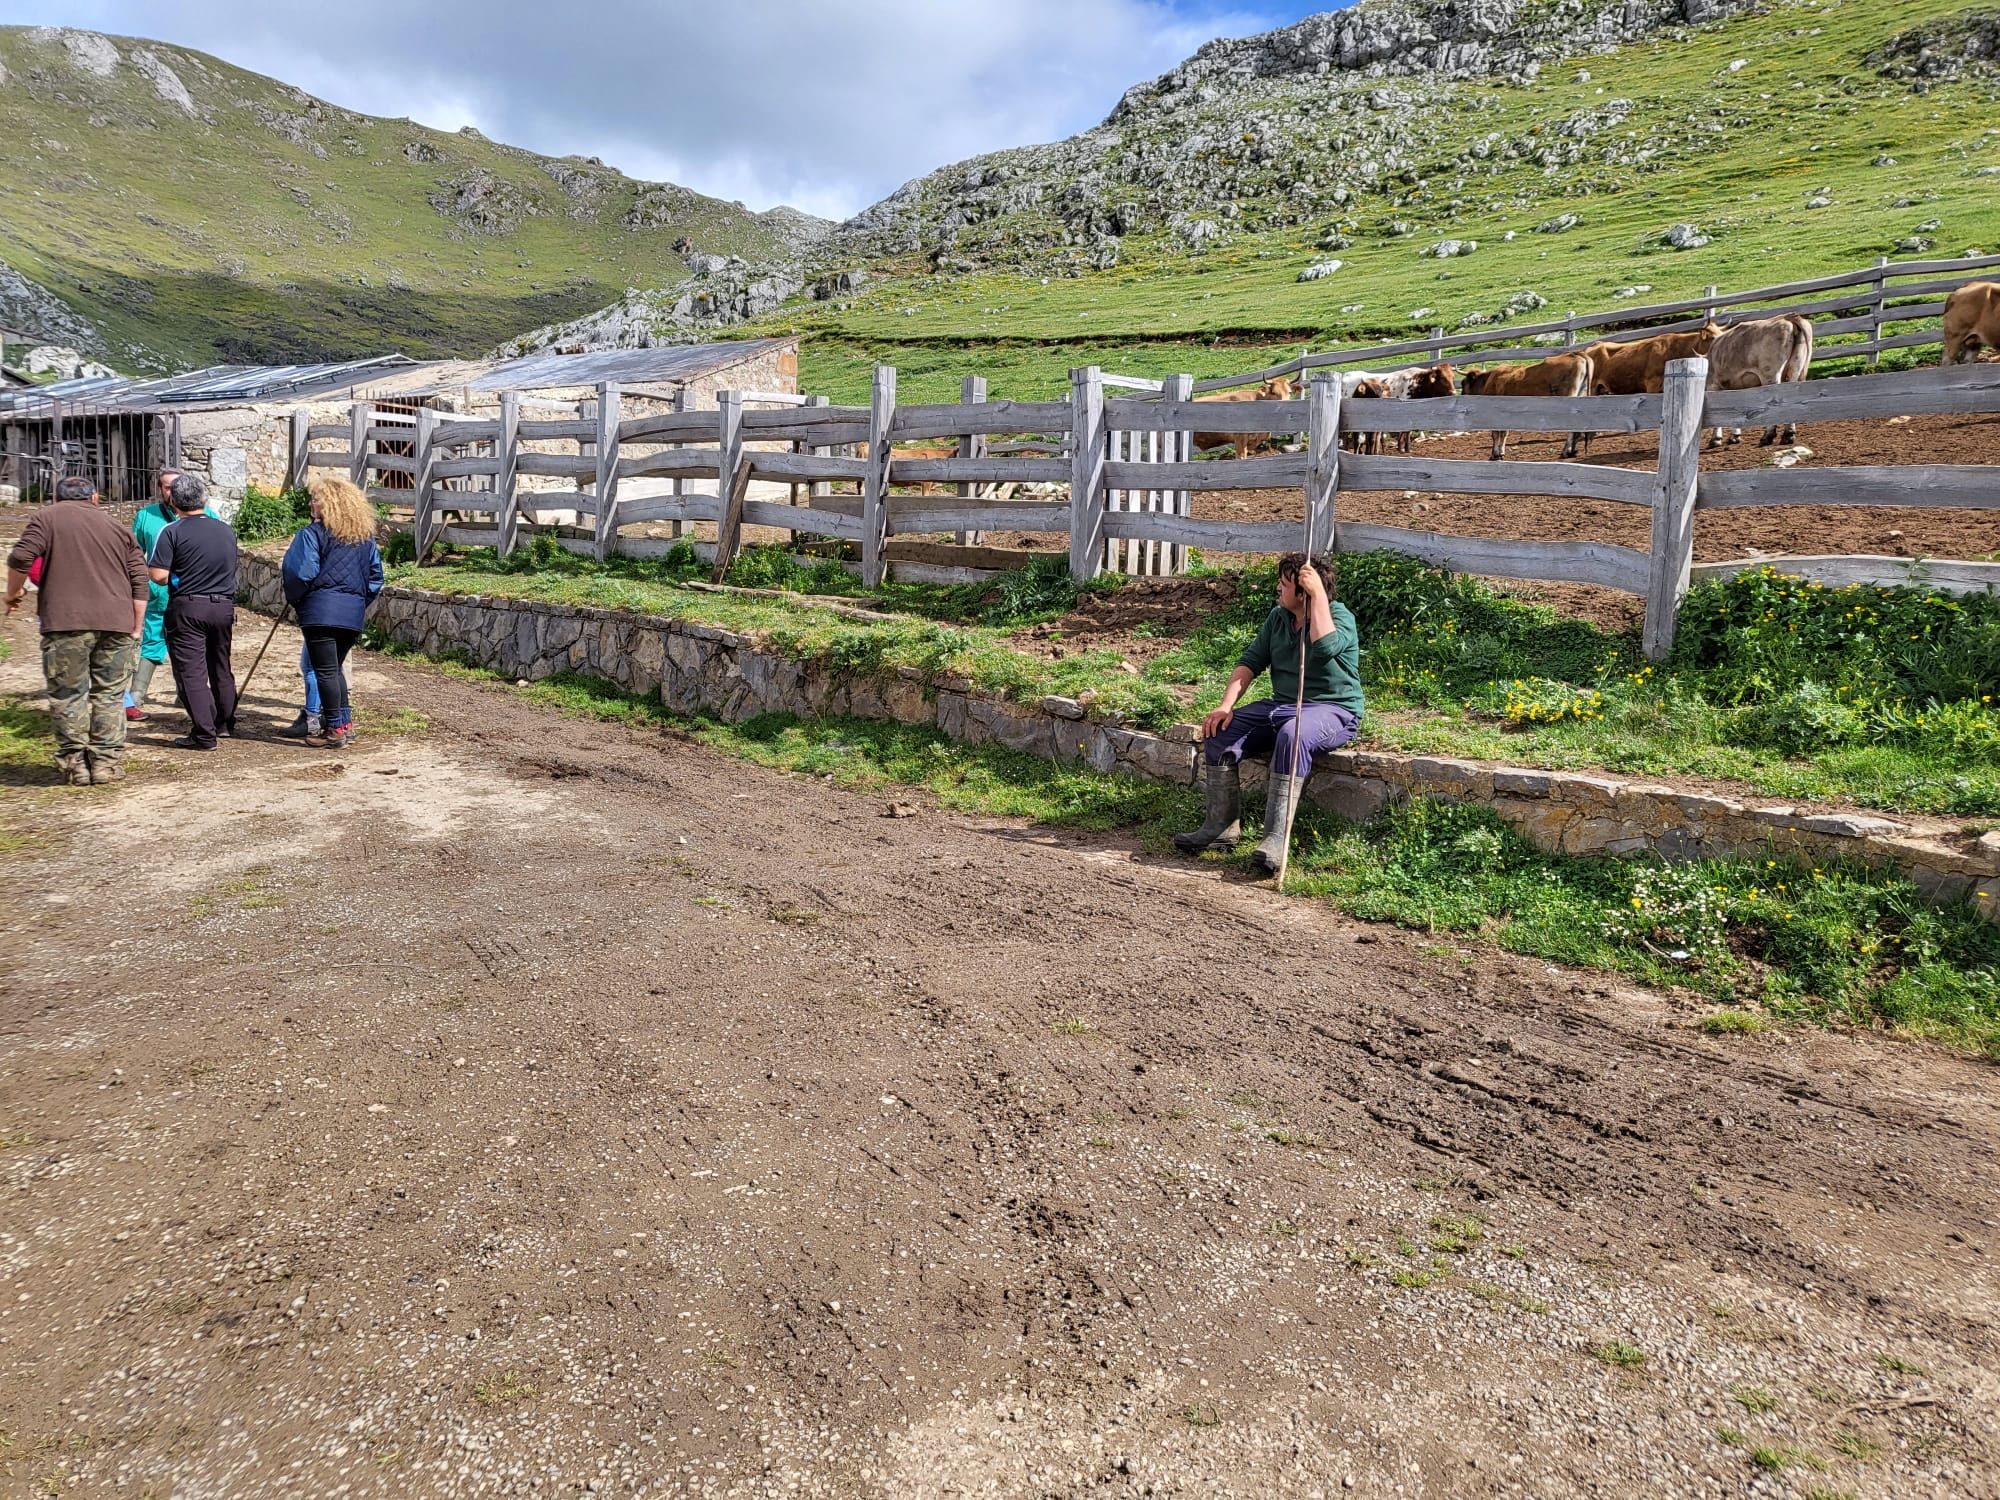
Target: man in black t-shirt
{"type": "Point", "coordinates": [195, 558]}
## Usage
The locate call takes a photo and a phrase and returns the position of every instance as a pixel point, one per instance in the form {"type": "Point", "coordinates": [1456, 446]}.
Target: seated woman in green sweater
{"type": "Point", "coordinates": [1277, 726]}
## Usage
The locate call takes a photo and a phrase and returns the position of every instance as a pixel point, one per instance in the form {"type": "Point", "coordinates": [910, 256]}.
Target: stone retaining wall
{"type": "Point", "coordinates": [704, 668]}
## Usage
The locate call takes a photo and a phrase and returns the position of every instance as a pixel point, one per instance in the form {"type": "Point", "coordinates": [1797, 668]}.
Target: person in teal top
{"type": "Point", "coordinates": [152, 519]}
{"type": "Point", "coordinates": [1279, 726]}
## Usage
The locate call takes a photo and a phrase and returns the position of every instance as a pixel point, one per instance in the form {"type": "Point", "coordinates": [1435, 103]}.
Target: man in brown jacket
{"type": "Point", "coordinates": [93, 610]}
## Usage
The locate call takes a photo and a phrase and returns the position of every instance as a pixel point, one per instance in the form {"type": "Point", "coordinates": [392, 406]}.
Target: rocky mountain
{"type": "Point", "coordinates": [160, 208]}
{"type": "Point", "coordinates": [1262, 132]}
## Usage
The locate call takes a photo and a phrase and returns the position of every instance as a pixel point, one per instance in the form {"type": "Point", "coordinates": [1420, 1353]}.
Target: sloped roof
{"type": "Point", "coordinates": [387, 374]}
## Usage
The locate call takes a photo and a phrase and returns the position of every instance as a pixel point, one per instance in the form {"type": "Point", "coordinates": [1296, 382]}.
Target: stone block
{"type": "Point", "coordinates": [1539, 820]}
{"type": "Point", "coordinates": [1359, 799]}
{"type": "Point", "coordinates": [1459, 779]}
{"type": "Point", "coordinates": [1600, 835]}
{"type": "Point", "coordinates": [1183, 734]}
{"type": "Point", "coordinates": [1062, 708]}
{"type": "Point", "coordinates": [1161, 759]}
{"type": "Point", "coordinates": [951, 714]}
{"type": "Point", "coordinates": [1521, 782]}
{"type": "Point", "coordinates": [1850, 825]}
{"type": "Point", "coordinates": [1989, 844]}
{"type": "Point", "coordinates": [1585, 791]}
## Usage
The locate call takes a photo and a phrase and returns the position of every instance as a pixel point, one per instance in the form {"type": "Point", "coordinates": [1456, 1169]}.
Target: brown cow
{"type": "Point", "coordinates": [1971, 321]}
{"type": "Point", "coordinates": [1561, 375]}
{"type": "Point", "coordinates": [1438, 380]}
{"type": "Point", "coordinates": [1765, 351]}
{"type": "Point", "coordinates": [1365, 442]}
{"type": "Point", "coordinates": [1640, 367]}
{"type": "Point", "coordinates": [1246, 443]}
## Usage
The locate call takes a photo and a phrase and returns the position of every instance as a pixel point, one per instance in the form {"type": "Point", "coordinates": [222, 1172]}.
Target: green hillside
{"type": "Point", "coordinates": [193, 211]}
{"type": "Point", "coordinates": [1808, 118]}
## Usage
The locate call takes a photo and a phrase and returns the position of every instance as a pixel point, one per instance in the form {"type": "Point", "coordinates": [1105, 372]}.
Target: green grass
{"type": "Point", "coordinates": [1884, 696]}
{"type": "Point", "coordinates": [1835, 946]}
{"type": "Point", "coordinates": [1620, 1355]}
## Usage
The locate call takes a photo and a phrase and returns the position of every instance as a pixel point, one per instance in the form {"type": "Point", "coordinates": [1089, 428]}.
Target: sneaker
{"type": "Point", "coordinates": [189, 742]}
{"type": "Point", "coordinates": [136, 715]}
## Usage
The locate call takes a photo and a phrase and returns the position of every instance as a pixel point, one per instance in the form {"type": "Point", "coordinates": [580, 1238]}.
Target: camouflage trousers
{"type": "Point", "coordinates": [88, 671]}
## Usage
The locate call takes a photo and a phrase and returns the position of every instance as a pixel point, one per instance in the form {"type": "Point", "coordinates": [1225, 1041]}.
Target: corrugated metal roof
{"type": "Point", "coordinates": [228, 385]}
{"type": "Point", "coordinates": [217, 385]}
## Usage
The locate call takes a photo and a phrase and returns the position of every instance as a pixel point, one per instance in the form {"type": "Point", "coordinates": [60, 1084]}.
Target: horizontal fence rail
{"type": "Point", "coordinates": [1115, 475]}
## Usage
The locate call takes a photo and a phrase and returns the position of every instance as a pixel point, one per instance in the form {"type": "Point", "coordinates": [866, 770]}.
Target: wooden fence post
{"type": "Point", "coordinates": [424, 525]}
{"type": "Point", "coordinates": [1569, 330]}
{"type": "Point", "coordinates": [1180, 450]}
{"type": "Point", "coordinates": [506, 514]}
{"type": "Point", "coordinates": [819, 489]}
{"type": "Point", "coordinates": [1673, 505]}
{"type": "Point", "coordinates": [359, 415]}
{"type": "Point", "coordinates": [971, 392]}
{"type": "Point", "coordinates": [679, 528]}
{"type": "Point", "coordinates": [296, 472]}
{"type": "Point", "coordinates": [1322, 529]}
{"type": "Point", "coordinates": [875, 484]}
{"type": "Point", "coordinates": [1088, 443]}
{"type": "Point", "coordinates": [732, 480]}
{"type": "Point", "coordinates": [607, 468]}
{"type": "Point", "coordinates": [1878, 290]}
{"type": "Point", "coordinates": [1708, 311]}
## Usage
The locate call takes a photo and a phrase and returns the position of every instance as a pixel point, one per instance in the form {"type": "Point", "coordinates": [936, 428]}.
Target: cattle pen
{"type": "Point", "coordinates": [847, 487]}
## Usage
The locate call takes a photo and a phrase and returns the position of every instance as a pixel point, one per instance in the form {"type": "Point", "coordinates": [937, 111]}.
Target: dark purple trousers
{"type": "Point", "coordinates": [1267, 728]}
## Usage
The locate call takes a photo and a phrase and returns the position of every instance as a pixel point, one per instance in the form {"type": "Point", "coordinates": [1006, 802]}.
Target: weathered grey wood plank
{"type": "Point", "coordinates": [683, 463]}
{"type": "Point", "coordinates": [1089, 473]}
{"type": "Point", "coordinates": [609, 405]}
{"type": "Point", "coordinates": [806, 518]}
{"type": "Point", "coordinates": [320, 432]}
{"type": "Point", "coordinates": [875, 485]}
{"type": "Point", "coordinates": [1868, 571]}
{"type": "Point", "coordinates": [805, 465]}
{"type": "Point", "coordinates": [543, 432]}
{"type": "Point", "coordinates": [960, 420]}
{"type": "Point", "coordinates": [1672, 548]}
{"type": "Point", "coordinates": [907, 519]}
{"type": "Point", "coordinates": [557, 465]}
{"type": "Point", "coordinates": [1955, 486]}
{"type": "Point", "coordinates": [458, 434]}
{"type": "Point", "coordinates": [319, 460]}
{"type": "Point", "coordinates": [507, 516]}
{"type": "Point", "coordinates": [1285, 471]}
{"type": "Point", "coordinates": [804, 417]}
{"type": "Point", "coordinates": [1210, 536]}
{"type": "Point", "coordinates": [1602, 563]}
{"type": "Point", "coordinates": [459, 468]}
{"type": "Point", "coordinates": [979, 470]}
{"type": "Point", "coordinates": [1267, 417]}
{"type": "Point", "coordinates": [1480, 476]}
{"type": "Point", "coordinates": [1953, 388]}
{"type": "Point", "coordinates": [1504, 413]}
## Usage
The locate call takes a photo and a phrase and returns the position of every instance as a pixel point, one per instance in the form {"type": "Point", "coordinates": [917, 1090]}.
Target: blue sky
{"type": "Point", "coordinates": [826, 106]}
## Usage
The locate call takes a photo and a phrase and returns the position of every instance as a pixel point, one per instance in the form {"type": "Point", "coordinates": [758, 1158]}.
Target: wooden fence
{"type": "Point", "coordinates": [1075, 456]}
{"type": "Point", "coordinates": [1863, 302]}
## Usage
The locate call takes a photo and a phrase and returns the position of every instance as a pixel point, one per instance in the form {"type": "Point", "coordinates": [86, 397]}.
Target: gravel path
{"type": "Point", "coordinates": [534, 1106]}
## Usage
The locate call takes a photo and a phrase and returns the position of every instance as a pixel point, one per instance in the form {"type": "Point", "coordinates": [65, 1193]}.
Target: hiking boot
{"type": "Point", "coordinates": [1224, 780]}
{"type": "Point", "coordinates": [333, 737]}
{"type": "Point", "coordinates": [75, 768]}
{"type": "Point", "coordinates": [105, 772]}
{"type": "Point", "coordinates": [305, 727]}
{"type": "Point", "coordinates": [1281, 796]}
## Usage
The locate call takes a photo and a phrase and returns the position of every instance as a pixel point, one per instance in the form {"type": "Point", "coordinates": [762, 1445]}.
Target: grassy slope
{"type": "Point", "coordinates": [257, 248]}
{"type": "Point", "coordinates": [1804, 113]}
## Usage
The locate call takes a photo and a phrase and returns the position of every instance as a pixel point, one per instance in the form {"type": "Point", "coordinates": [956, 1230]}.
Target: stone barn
{"type": "Point", "coordinates": [232, 424]}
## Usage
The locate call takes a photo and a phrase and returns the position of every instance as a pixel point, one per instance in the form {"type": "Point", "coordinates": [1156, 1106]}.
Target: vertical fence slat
{"type": "Point", "coordinates": [1672, 554]}
{"type": "Point", "coordinates": [358, 417]}
{"type": "Point", "coordinates": [424, 525]}
{"type": "Point", "coordinates": [1322, 531]}
{"type": "Point", "coordinates": [1180, 448]}
{"type": "Point", "coordinates": [732, 480]}
{"type": "Point", "coordinates": [971, 392]}
{"type": "Point", "coordinates": [682, 401]}
{"type": "Point", "coordinates": [1877, 293]}
{"type": "Point", "coordinates": [506, 508]}
{"type": "Point", "coordinates": [819, 489]}
{"type": "Point", "coordinates": [607, 468]}
{"type": "Point", "coordinates": [295, 453]}
{"type": "Point", "coordinates": [1086, 474]}
{"type": "Point", "coordinates": [875, 485]}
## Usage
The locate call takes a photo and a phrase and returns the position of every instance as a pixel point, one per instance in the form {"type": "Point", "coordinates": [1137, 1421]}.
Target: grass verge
{"type": "Point", "coordinates": [1780, 941]}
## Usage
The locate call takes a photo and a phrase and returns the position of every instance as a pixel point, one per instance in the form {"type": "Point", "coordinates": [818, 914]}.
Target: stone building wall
{"type": "Point", "coordinates": [695, 667]}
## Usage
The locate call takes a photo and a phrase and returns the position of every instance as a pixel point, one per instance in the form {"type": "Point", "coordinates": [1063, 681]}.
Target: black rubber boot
{"type": "Point", "coordinates": [305, 727]}
{"type": "Point", "coordinates": [1224, 781]}
{"type": "Point", "coordinates": [1280, 799]}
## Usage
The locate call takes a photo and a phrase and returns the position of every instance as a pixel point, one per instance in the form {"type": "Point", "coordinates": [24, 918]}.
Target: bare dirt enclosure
{"type": "Point", "coordinates": [535, 1106]}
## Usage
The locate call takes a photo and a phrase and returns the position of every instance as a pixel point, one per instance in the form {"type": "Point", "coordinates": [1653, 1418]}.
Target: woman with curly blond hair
{"type": "Point", "coordinates": [333, 571]}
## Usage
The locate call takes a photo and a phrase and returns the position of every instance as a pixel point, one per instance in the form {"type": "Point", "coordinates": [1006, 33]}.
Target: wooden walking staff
{"type": "Point", "coordinates": [243, 687]}
{"type": "Point", "coordinates": [1322, 454]}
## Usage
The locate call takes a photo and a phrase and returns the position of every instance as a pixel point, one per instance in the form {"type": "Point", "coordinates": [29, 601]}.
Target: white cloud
{"type": "Point", "coordinates": [827, 107]}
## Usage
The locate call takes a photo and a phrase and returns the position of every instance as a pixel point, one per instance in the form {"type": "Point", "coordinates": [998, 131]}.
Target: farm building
{"type": "Point", "coordinates": [231, 424]}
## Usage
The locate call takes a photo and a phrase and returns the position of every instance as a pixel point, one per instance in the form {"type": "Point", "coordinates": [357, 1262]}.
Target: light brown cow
{"type": "Point", "coordinates": [1971, 321]}
{"type": "Point", "coordinates": [1365, 389]}
{"type": "Point", "coordinates": [1640, 367]}
{"type": "Point", "coordinates": [1278, 389]}
{"type": "Point", "coordinates": [1767, 351]}
{"type": "Point", "coordinates": [1562, 375]}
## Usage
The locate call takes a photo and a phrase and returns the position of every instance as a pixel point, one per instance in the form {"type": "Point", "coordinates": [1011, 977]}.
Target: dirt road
{"type": "Point", "coordinates": [532, 1106]}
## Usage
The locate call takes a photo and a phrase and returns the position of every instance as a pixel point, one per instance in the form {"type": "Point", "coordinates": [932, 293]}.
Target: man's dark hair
{"type": "Point", "coordinates": [74, 487]}
{"type": "Point", "coordinates": [1291, 562]}
{"type": "Point", "coordinates": [188, 492]}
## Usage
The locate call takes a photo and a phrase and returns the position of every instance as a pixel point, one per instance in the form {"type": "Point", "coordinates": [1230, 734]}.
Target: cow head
{"type": "Point", "coordinates": [1278, 388]}
{"type": "Point", "coordinates": [1439, 380]}
{"type": "Point", "coordinates": [1476, 381]}
{"type": "Point", "coordinates": [1710, 332]}
{"type": "Point", "coordinates": [1373, 389]}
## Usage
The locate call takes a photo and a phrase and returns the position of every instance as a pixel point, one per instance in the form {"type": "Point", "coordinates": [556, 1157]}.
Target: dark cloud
{"type": "Point", "coordinates": [824, 106]}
